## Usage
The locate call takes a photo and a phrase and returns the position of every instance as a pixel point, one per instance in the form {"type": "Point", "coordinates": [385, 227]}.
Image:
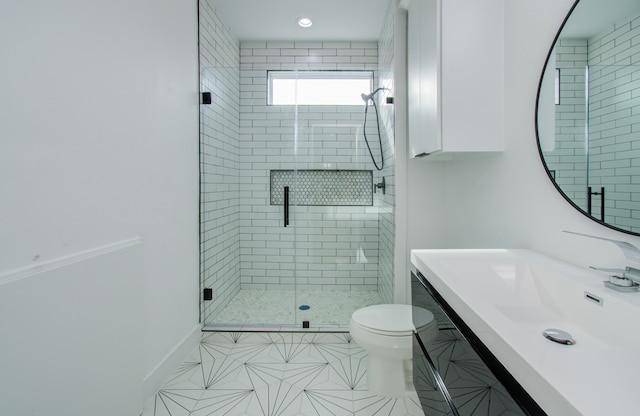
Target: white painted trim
{"type": "Point", "coordinates": [157, 377]}
{"type": "Point", "coordinates": [27, 271]}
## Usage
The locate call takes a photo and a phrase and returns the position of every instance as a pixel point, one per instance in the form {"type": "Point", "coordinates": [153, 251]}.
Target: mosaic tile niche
{"type": "Point", "coordinates": [323, 187]}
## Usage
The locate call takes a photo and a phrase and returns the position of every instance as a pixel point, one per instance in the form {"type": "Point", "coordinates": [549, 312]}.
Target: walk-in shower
{"type": "Point", "coordinates": [336, 253]}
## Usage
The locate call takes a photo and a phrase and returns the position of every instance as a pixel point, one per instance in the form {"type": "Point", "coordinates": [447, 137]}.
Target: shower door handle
{"type": "Point", "coordinates": [590, 193]}
{"type": "Point", "coordinates": [286, 206]}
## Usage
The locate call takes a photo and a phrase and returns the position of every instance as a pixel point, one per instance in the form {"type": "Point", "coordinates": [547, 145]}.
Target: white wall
{"type": "Point", "coordinates": [55, 360]}
{"type": "Point", "coordinates": [99, 143]}
{"type": "Point", "coordinates": [507, 200]}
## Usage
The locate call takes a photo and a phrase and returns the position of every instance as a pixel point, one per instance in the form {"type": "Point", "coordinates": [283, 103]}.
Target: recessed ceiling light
{"type": "Point", "coordinates": [305, 22]}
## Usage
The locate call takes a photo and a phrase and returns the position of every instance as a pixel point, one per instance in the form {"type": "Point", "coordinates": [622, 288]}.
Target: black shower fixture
{"type": "Point", "coordinates": [370, 98]}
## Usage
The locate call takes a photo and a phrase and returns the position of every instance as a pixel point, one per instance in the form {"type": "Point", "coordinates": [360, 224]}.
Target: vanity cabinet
{"type": "Point", "coordinates": [455, 72]}
{"type": "Point", "coordinates": [455, 374]}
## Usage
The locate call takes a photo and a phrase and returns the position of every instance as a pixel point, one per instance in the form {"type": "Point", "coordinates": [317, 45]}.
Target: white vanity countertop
{"type": "Point", "coordinates": [509, 297]}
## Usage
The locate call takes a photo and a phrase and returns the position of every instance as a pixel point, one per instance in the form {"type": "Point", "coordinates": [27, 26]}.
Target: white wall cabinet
{"type": "Point", "coordinates": [455, 68]}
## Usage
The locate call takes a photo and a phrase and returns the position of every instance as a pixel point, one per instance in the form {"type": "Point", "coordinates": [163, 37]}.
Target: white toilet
{"type": "Point", "coordinates": [386, 333]}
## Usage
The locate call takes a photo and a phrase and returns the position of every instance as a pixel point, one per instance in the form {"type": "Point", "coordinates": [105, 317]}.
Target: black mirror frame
{"type": "Point", "coordinates": [544, 163]}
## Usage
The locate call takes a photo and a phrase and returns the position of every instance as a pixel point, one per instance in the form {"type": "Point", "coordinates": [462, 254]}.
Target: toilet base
{"type": "Point", "coordinates": [390, 378]}
{"type": "Point", "coordinates": [386, 333]}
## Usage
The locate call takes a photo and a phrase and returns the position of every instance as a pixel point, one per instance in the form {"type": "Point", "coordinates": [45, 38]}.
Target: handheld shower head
{"type": "Point", "coordinates": [367, 97]}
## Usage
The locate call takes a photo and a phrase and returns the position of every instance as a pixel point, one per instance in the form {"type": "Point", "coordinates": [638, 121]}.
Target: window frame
{"type": "Point", "coordinates": [319, 75]}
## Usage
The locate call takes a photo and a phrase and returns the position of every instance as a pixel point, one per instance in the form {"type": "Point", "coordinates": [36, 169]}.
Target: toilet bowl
{"type": "Point", "coordinates": [386, 333]}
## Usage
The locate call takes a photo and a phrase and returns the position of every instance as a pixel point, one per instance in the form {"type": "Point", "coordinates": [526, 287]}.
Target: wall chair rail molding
{"type": "Point", "coordinates": [79, 334]}
{"type": "Point", "coordinates": [63, 261]}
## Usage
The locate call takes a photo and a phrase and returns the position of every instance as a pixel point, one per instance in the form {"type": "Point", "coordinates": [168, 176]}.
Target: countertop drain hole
{"type": "Point", "coordinates": [559, 336]}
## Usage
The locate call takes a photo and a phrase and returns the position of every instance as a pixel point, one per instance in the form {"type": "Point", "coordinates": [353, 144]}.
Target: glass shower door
{"type": "Point", "coordinates": [246, 251]}
{"type": "Point", "coordinates": [334, 208]}
{"type": "Point", "coordinates": [268, 204]}
{"type": "Point", "coordinates": [291, 228]}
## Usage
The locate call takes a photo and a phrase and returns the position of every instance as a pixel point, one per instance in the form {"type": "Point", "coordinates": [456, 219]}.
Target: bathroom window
{"type": "Point", "coordinates": [319, 87]}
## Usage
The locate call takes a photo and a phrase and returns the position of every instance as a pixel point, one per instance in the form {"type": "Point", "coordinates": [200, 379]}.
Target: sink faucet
{"type": "Point", "coordinates": [622, 280]}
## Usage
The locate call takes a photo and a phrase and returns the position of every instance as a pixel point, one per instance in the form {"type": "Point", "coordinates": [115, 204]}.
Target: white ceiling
{"type": "Point", "coordinates": [276, 19]}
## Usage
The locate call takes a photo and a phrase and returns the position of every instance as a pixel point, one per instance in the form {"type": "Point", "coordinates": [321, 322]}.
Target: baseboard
{"type": "Point", "coordinates": [157, 377]}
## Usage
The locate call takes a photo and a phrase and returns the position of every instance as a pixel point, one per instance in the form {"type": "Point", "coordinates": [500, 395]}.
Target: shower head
{"type": "Point", "coordinates": [367, 97]}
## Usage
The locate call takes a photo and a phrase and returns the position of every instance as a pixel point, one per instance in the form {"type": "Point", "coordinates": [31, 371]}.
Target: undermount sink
{"type": "Point", "coordinates": [510, 297]}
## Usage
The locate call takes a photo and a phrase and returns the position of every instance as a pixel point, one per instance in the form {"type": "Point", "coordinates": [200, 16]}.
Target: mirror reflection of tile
{"type": "Point", "coordinates": [323, 187]}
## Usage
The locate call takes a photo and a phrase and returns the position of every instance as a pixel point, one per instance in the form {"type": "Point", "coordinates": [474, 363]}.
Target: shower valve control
{"type": "Point", "coordinates": [382, 185]}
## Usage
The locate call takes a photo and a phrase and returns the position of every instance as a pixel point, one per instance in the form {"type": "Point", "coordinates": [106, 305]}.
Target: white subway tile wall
{"type": "Point", "coordinates": [614, 114]}
{"type": "Point", "coordinates": [335, 247]}
{"type": "Point", "coordinates": [219, 162]}
{"type": "Point", "coordinates": [568, 159]}
{"type": "Point", "coordinates": [614, 125]}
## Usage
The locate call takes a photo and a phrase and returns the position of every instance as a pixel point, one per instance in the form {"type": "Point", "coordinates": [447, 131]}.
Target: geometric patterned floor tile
{"type": "Point", "coordinates": [326, 402]}
{"type": "Point", "coordinates": [350, 371]}
{"type": "Point", "coordinates": [275, 374]}
{"type": "Point", "coordinates": [318, 374]}
{"type": "Point", "coordinates": [230, 402]}
{"type": "Point", "coordinates": [175, 402]}
{"type": "Point", "coordinates": [366, 404]}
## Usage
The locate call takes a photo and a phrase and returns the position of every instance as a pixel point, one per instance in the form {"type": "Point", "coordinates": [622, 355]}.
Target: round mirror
{"type": "Point", "coordinates": [588, 112]}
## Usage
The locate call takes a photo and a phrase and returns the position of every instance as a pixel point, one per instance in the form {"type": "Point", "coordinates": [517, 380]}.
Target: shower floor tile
{"type": "Point", "coordinates": [269, 373]}
{"type": "Point", "coordinates": [327, 309]}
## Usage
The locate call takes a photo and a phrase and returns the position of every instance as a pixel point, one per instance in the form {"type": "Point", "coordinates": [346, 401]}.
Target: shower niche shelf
{"type": "Point", "coordinates": [316, 187]}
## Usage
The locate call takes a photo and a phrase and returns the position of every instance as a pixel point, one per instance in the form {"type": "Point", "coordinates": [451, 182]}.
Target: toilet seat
{"type": "Point", "coordinates": [392, 319]}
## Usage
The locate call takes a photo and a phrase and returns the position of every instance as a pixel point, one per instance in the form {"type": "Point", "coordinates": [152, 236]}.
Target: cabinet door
{"type": "Point", "coordinates": [428, 384]}
{"type": "Point", "coordinates": [423, 63]}
{"type": "Point", "coordinates": [472, 72]}
{"type": "Point", "coordinates": [450, 376]}
{"type": "Point", "coordinates": [455, 67]}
